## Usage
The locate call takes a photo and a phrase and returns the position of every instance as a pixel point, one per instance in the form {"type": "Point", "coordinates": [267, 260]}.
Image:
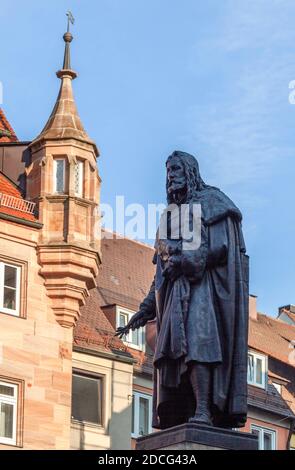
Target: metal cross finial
{"type": "Point", "coordinates": [68, 39]}
{"type": "Point", "coordinates": [71, 19]}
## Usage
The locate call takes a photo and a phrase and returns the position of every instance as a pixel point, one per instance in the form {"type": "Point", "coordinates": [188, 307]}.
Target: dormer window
{"type": "Point", "coordinates": [135, 339]}
{"type": "Point", "coordinates": [79, 166]}
{"type": "Point", "coordinates": [59, 175]}
{"type": "Point", "coordinates": [278, 387]}
{"type": "Point", "coordinates": [257, 369]}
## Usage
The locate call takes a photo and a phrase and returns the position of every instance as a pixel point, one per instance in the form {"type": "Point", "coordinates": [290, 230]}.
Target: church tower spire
{"type": "Point", "coordinates": [64, 182]}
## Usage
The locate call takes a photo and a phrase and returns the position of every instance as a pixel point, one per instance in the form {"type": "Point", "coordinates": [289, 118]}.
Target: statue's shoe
{"type": "Point", "coordinates": [201, 418]}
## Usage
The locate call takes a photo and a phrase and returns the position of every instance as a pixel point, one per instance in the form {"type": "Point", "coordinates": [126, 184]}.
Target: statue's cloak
{"type": "Point", "coordinates": [214, 328]}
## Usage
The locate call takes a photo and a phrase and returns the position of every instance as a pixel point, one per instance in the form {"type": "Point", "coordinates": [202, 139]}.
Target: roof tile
{"type": "Point", "coordinates": [7, 134]}
{"type": "Point", "coordinates": [9, 188]}
{"type": "Point", "coordinates": [272, 337]}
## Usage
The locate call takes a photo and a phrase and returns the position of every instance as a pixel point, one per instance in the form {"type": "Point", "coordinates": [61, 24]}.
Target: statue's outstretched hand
{"type": "Point", "coordinates": [139, 319]}
{"type": "Point", "coordinates": [122, 331]}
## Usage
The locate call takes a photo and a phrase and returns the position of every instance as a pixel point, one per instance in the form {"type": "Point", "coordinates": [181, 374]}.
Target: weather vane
{"type": "Point", "coordinates": [71, 19]}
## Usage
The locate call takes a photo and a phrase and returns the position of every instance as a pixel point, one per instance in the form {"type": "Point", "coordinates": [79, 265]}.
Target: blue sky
{"type": "Point", "coordinates": [210, 78]}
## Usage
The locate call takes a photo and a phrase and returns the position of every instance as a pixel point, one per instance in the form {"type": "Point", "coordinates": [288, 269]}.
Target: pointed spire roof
{"type": "Point", "coordinates": [64, 121]}
{"type": "Point", "coordinates": [7, 134]}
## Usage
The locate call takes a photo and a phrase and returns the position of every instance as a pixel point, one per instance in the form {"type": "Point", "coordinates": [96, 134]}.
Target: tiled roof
{"type": "Point", "coordinates": [7, 134]}
{"type": "Point", "coordinates": [277, 377]}
{"type": "Point", "coordinates": [272, 337]}
{"type": "Point", "coordinates": [144, 362]}
{"type": "Point", "coordinates": [269, 400]}
{"type": "Point", "coordinates": [94, 331]}
{"type": "Point", "coordinates": [7, 187]}
{"type": "Point", "coordinates": [289, 398]}
{"type": "Point", "coordinates": [127, 272]}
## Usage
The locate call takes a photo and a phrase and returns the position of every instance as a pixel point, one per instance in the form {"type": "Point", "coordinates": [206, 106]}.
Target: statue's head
{"type": "Point", "coordinates": [183, 177]}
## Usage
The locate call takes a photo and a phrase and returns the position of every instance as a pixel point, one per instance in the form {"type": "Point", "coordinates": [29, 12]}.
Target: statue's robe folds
{"type": "Point", "coordinates": [203, 317]}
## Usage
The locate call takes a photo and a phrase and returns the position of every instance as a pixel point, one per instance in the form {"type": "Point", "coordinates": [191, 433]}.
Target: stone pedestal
{"type": "Point", "coordinates": [191, 436]}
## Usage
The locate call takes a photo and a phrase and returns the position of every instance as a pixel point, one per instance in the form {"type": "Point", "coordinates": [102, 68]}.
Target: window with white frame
{"type": "Point", "coordinates": [59, 175]}
{"type": "Point", "coordinates": [9, 288]}
{"type": "Point", "coordinates": [78, 178]}
{"type": "Point", "coordinates": [136, 338]}
{"type": "Point", "coordinates": [87, 398]}
{"type": "Point", "coordinates": [257, 369]}
{"type": "Point", "coordinates": [8, 413]}
{"type": "Point", "coordinates": [141, 414]}
{"type": "Point", "coordinates": [266, 437]}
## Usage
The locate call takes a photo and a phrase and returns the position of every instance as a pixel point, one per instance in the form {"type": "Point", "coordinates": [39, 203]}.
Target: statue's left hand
{"type": "Point", "coordinates": [173, 268]}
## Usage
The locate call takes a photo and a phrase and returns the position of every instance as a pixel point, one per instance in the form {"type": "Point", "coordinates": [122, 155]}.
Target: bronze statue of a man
{"type": "Point", "coordinates": [199, 298]}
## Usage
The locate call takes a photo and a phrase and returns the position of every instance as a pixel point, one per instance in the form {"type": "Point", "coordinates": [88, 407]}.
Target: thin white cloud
{"type": "Point", "coordinates": [256, 23]}
{"type": "Point", "coordinates": [242, 129]}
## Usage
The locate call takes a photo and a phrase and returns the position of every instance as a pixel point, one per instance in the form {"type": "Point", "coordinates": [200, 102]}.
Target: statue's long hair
{"type": "Point", "coordinates": [194, 181]}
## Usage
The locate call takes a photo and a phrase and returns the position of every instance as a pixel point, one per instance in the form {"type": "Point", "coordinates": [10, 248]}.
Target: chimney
{"type": "Point", "coordinates": [253, 306]}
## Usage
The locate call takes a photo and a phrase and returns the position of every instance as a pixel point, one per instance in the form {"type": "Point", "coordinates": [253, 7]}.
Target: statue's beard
{"type": "Point", "coordinates": [177, 189]}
